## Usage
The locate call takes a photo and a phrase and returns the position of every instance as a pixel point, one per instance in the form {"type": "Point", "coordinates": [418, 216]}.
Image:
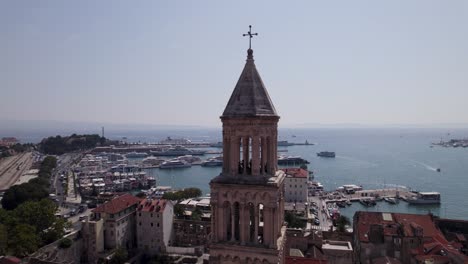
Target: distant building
{"type": "Point", "coordinates": [154, 225]}
{"type": "Point", "coordinates": [193, 228]}
{"type": "Point", "coordinates": [402, 238]}
{"type": "Point", "coordinates": [295, 185]}
{"type": "Point", "coordinates": [8, 141]}
{"type": "Point", "coordinates": [312, 247]}
{"type": "Point", "coordinates": [110, 225]}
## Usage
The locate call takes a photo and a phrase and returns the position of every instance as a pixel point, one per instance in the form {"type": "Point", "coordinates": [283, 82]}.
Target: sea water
{"type": "Point", "coordinates": [373, 158]}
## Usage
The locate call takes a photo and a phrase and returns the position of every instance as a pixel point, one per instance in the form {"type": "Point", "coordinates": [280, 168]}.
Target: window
{"type": "Point", "coordinates": [139, 214]}
{"type": "Point", "coordinates": [157, 225]}
{"type": "Point", "coordinates": [139, 223]}
{"type": "Point", "coordinates": [151, 224]}
{"type": "Point", "coordinates": [151, 214]}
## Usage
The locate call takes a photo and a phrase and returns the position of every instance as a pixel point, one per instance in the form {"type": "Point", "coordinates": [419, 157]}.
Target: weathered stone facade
{"type": "Point", "coordinates": [247, 199]}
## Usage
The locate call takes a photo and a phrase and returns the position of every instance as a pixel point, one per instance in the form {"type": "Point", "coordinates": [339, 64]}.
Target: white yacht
{"type": "Point", "coordinates": [174, 163]}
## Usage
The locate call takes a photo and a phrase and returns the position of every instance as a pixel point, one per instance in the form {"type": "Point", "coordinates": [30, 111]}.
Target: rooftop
{"type": "Point", "coordinates": [117, 204]}
{"type": "Point", "coordinates": [295, 172]}
{"type": "Point", "coordinates": [150, 205]}
{"type": "Point", "coordinates": [250, 97]}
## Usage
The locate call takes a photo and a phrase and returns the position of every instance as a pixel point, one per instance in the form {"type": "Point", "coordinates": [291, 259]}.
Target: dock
{"type": "Point", "coordinates": [398, 193]}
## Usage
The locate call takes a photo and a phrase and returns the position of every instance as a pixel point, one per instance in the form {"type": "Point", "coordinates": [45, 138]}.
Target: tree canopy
{"type": "Point", "coordinates": [341, 223]}
{"type": "Point", "coordinates": [293, 220]}
{"type": "Point", "coordinates": [59, 145]}
{"type": "Point", "coordinates": [34, 190]}
{"type": "Point", "coordinates": [181, 195]}
{"type": "Point", "coordinates": [29, 226]}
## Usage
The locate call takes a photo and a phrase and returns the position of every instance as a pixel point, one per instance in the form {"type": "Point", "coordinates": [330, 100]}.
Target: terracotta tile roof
{"type": "Point", "coordinates": [117, 204]}
{"type": "Point", "coordinates": [152, 205]}
{"type": "Point", "coordinates": [366, 219]}
{"type": "Point", "coordinates": [408, 225]}
{"type": "Point", "coordinates": [295, 172]}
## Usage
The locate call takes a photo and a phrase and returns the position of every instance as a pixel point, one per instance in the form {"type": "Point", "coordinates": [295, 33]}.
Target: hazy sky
{"type": "Point", "coordinates": [177, 62]}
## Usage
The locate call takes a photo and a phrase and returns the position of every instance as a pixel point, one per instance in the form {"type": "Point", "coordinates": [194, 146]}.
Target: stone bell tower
{"type": "Point", "coordinates": [247, 197]}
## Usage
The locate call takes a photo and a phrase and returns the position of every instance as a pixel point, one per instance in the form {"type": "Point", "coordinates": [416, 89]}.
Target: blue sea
{"type": "Point", "coordinates": [374, 158]}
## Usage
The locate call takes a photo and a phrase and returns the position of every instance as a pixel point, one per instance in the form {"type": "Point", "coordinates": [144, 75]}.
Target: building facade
{"type": "Point", "coordinates": [111, 225]}
{"type": "Point", "coordinates": [295, 185]}
{"type": "Point", "coordinates": [406, 238]}
{"type": "Point", "coordinates": [247, 198]}
{"type": "Point", "coordinates": [154, 225]}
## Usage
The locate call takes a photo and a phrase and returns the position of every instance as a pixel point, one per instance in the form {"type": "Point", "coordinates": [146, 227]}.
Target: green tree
{"type": "Point", "coordinates": [197, 214]}
{"type": "Point", "coordinates": [40, 214]}
{"type": "Point", "coordinates": [179, 210]}
{"type": "Point", "coordinates": [341, 223]}
{"type": "Point", "coordinates": [65, 243]}
{"type": "Point", "coordinates": [120, 256]}
{"type": "Point", "coordinates": [23, 240]}
{"type": "Point", "coordinates": [294, 221]}
{"type": "Point", "coordinates": [3, 239]}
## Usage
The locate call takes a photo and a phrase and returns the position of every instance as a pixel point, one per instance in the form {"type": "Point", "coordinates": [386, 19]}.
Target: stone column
{"type": "Point", "coordinates": [214, 219]}
{"type": "Point", "coordinates": [245, 152]}
{"type": "Point", "coordinates": [220, 225]}
{"type": "Point", "coordinates": [266, 225]}
{"type": "Point", "coordinates": [257, 222]}
{"type": "Point", "coordinates": [255, 156]}
{"type": "Point", "coordinates": [270, 147]}
{"type": "Point", "coordinates": [226, 155]}
{"type": "Point", "coordinates": [233, 218]}
{"type": "Point", "coordinates": [264, 154]}
{"type": "Point", "coordinates": [234, 155]}
{"type": "Point", "coordinates": [242, 224]}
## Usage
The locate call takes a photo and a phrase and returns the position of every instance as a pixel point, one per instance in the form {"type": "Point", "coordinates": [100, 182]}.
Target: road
{"type": "Point", "coordinates": [13, 167]}
{"type": "Point", "coordinates": [322, 215]}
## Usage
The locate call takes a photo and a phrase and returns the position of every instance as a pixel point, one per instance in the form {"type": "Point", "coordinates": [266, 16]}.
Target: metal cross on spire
{"type": "Point", "coordinates": [250, 34]}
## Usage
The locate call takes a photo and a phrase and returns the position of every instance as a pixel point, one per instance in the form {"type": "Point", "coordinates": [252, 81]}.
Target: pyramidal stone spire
{"type": "Point", "coordinates": [250, 97]}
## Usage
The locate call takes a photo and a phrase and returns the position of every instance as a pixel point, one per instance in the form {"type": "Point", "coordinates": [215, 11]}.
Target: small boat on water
{"type": "Point", "coordinates": [438, 169]}
{"type": "Point", "coordinates": [326, 154]}
{"type": "Point", "coordinates": [348, 202]}
{"type": "Point", "coordinates": [341, 204]}
{"type": "Point", "coordinates": [391, 200]}
{"type": "Point", "coordinates": [368, 202]}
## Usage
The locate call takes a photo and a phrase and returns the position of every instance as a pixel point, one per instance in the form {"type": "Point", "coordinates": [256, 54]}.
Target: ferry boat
{"type": "Point", "coordinates": [135, 154]}
{"type": "Point", "coordinates": [213, 162]}
{"type": "Point", "coordinates": [291, 160]}
{"type": "Point", "coordinates": [190, 159]}
{"type": "Point", "coordinates": [151, 162]}
{"type": "Point", "coordinates": [425, 198]}
{"type": "Point", "coordinates": [178, 151]}
{"type": "Point", "coordinates": [175, 163]}
{"type": "Point", "coordinates": [326, 154]}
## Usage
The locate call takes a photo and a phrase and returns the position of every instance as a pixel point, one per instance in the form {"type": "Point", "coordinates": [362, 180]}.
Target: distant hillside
{"type": "Point", "coordinates": [58, 145]}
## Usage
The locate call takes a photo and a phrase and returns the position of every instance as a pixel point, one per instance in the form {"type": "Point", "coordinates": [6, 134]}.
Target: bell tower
{"type": "Point", "coordinates": [247, 197]}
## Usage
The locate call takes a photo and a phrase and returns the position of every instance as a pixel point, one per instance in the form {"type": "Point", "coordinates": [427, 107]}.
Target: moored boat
{"type": "Point", "coordinates": [326, 154]}
{"type": "Point", "coordinates": [425, 198]}
{"type": "Point", "coordinates": [174, 163]}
